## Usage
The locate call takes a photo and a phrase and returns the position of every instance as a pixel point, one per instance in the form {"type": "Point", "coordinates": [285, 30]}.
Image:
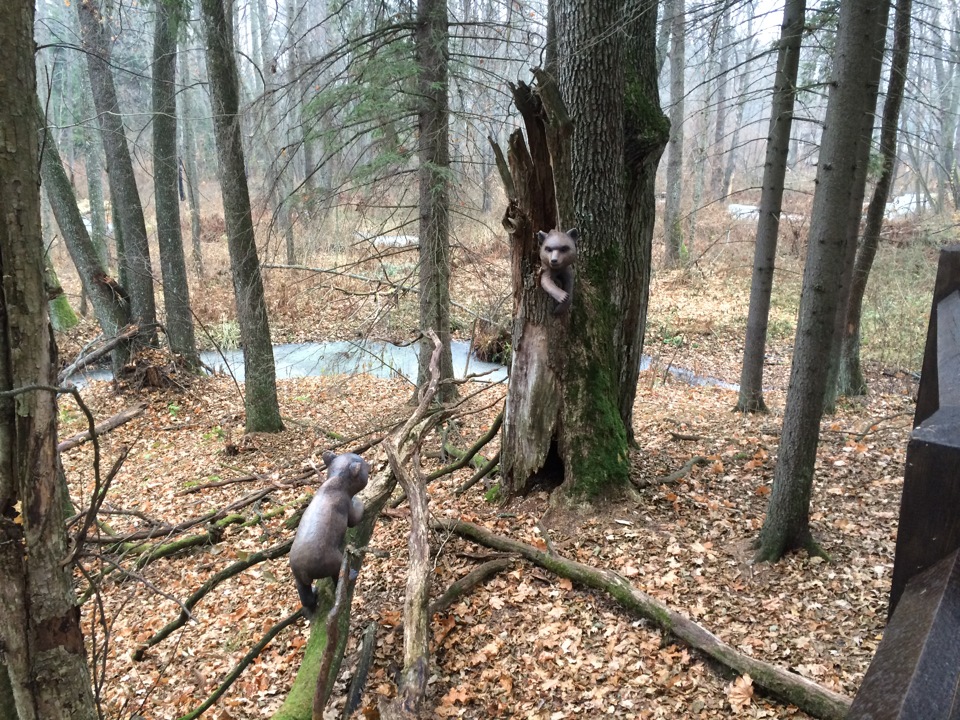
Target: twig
{"type": "Point", "coordinates": [675, 476]}
{"type": "Point", "coordinates": [873, 426]}
{"type": "Point", "coordinates": [198, 594]}
{"type": "Point", "coordinates": [241, 666]}
{"type": "Point", "coordinates": [479, 474]}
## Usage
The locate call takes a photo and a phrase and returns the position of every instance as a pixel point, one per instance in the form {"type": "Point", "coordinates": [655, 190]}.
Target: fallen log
{"type": "Point", "coordinates": [106, 426]}
{"type": "Point", "coordinates": [805, 694]}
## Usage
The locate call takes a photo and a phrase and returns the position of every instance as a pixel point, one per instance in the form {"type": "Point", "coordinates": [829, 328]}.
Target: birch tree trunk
{"type": "Point", "coordinates": [672, 220]}
{"type": "Point", "coordinates": [188, 151]}
{"type": "Point", "coordinates": [44, 669]}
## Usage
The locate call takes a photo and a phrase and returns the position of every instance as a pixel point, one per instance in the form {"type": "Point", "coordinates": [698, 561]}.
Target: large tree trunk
{"type": "Point", "coordinates": [45, 672]}
{"type": "Point", "coordinates": [563, 418]}
{"type": "Point", "coordinates": [672, 219]}
{"type": "Point", "coordinates": [127, 209]}
{"type": "Point", "coordinates": [870, 75]}
{"type": "Point", "coordinates": [260, 399]}
{"type": "Point", "coordinates": [173, 266]}
{"type": "Point", "coordinates": [787, 523]}
{"type": "Point", "coordinates": [850, 380]}
{"type": "Point", "coordinates": [646, 131]}
{"type": "Point", "coordinates": [771, 202]}
{"type": "Point", "coordinates": [109, 303]}
{"type": "Point", "coordinates": [434, 154]}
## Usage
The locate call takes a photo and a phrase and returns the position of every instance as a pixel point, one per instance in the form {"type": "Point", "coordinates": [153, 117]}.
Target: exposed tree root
{"type": "Point", "coordinates": [805, 694]}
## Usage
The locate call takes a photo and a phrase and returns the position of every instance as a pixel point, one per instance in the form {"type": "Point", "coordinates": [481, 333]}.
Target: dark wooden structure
{"type": "Point", "coordinates": [915, 674]}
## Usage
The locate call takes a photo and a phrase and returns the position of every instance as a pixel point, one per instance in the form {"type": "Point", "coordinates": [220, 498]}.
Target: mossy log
{"type": "Point", "coordinates": [805, 694]}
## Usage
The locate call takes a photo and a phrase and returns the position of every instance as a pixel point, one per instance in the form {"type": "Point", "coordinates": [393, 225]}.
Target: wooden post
{"type": "Point", "coordinates": [929, 527]}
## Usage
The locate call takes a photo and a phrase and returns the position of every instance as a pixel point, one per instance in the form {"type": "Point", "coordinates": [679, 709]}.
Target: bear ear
{"type": "Point", "coordinates": [328, 457]}
{"type": "Point", "coordinates": [541, 236]}
{"type": "Point", "coordinates": [574, 233]}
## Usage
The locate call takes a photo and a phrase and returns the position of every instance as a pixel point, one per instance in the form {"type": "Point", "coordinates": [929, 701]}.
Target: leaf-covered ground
{"type": "Point", "coordinates": [526, 644]}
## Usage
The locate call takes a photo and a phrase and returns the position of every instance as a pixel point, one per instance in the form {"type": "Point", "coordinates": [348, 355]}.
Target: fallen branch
{"type": "Point", "coordinates": [106, 426]}
{"type": "Point", "coordinates": [84, 360]}
{"type": "Point", "coordinates": [468, 582]}
{"type": "Point", "coordinates": [479, 475]}
{"type": "Point", "coordinates": [212, 582]}
{"type": "Point", "coordinates": [362, 670]}
{"type": "Point", "coordinates": [795, 689]}
{"type": "Point", "coordinates": [242, 665]}
{"type": "Point", "coordinates": [673, 477]}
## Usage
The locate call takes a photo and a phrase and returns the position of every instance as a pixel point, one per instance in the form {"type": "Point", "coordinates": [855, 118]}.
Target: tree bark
{"type": "Point", "coordinates": [432, 39]}
{"type": "Point", "coordinates": [109, 304]}
{"type": "Point", "coordinates": [742, 94]}
{"type": "Point", "coordinates": [188, 151]}
{"type": "Point", "coordinates": [851, 380]}
{"type": "Point", "coordinates": [771, 203]}
{"type": "Point", "coordinates": [869, 74]}
{"type": "Point", "coordinates": [646, 131]}
{"type": "Point", "coordinates": [166, 176]}
{"type": "Point", "coordinates": [260, 399]}
{"type": "Point", "coordinates": [672, 221]}
{"type": "Point", "coordinates": [45, 670]}
{"type": "Point", "coordinates": [127, 208]}
{"type": "Point", "coordinates": [787, 523]}
{"type": "Point", "coordinates": [723, 89]}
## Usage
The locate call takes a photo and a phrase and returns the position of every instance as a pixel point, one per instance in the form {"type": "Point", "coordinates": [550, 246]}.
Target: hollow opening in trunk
{"type": "Point", "coordinates": [550, 475]}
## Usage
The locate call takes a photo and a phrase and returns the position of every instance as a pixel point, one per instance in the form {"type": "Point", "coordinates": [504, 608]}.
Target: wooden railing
{"type": "Point", "coordinates": [915, 674]}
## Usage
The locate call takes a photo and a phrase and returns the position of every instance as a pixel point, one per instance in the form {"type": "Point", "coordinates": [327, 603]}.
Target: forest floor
{"type": "Point", "coordinates": [526, 644]}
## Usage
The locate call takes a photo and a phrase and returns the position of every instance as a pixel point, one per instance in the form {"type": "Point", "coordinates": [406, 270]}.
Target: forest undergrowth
{"type": "Point", "coordinates": [525, 644]}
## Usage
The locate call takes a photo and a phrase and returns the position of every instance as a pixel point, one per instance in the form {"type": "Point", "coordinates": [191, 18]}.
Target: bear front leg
{"type": "Point", "coordinates": [548, 283]}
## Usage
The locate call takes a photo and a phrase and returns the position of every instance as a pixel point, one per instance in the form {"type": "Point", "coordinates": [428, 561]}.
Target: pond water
{"type": "Point", "coordinates": [376, 357]}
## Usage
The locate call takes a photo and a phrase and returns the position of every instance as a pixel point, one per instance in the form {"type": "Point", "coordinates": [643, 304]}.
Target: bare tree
{"type": "Point", "coordinates": [173, 266]}
{"type": "Point", "coordinates": [787, 523]}
{"type": "Point", "coordinates": [771, 202]}
{"type": "Point", "coordinates": [260, 399]}
{"type": "Point", "coordinates": [43, 667]}
{"type": "Point", "coordinates": [432, 43]}
{"type": "Point", "coordinates": [674, 13]}
{"type": "Point", "coordinates": [127, 208]}
{"type": "Point", "coordinates": [850, 380]}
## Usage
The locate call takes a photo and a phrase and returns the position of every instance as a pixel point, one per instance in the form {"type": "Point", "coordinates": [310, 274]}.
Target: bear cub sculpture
{"type": "Point", "coordinates": [317, 550]}
{"type": "Point", "coordinates": [558, 253]}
